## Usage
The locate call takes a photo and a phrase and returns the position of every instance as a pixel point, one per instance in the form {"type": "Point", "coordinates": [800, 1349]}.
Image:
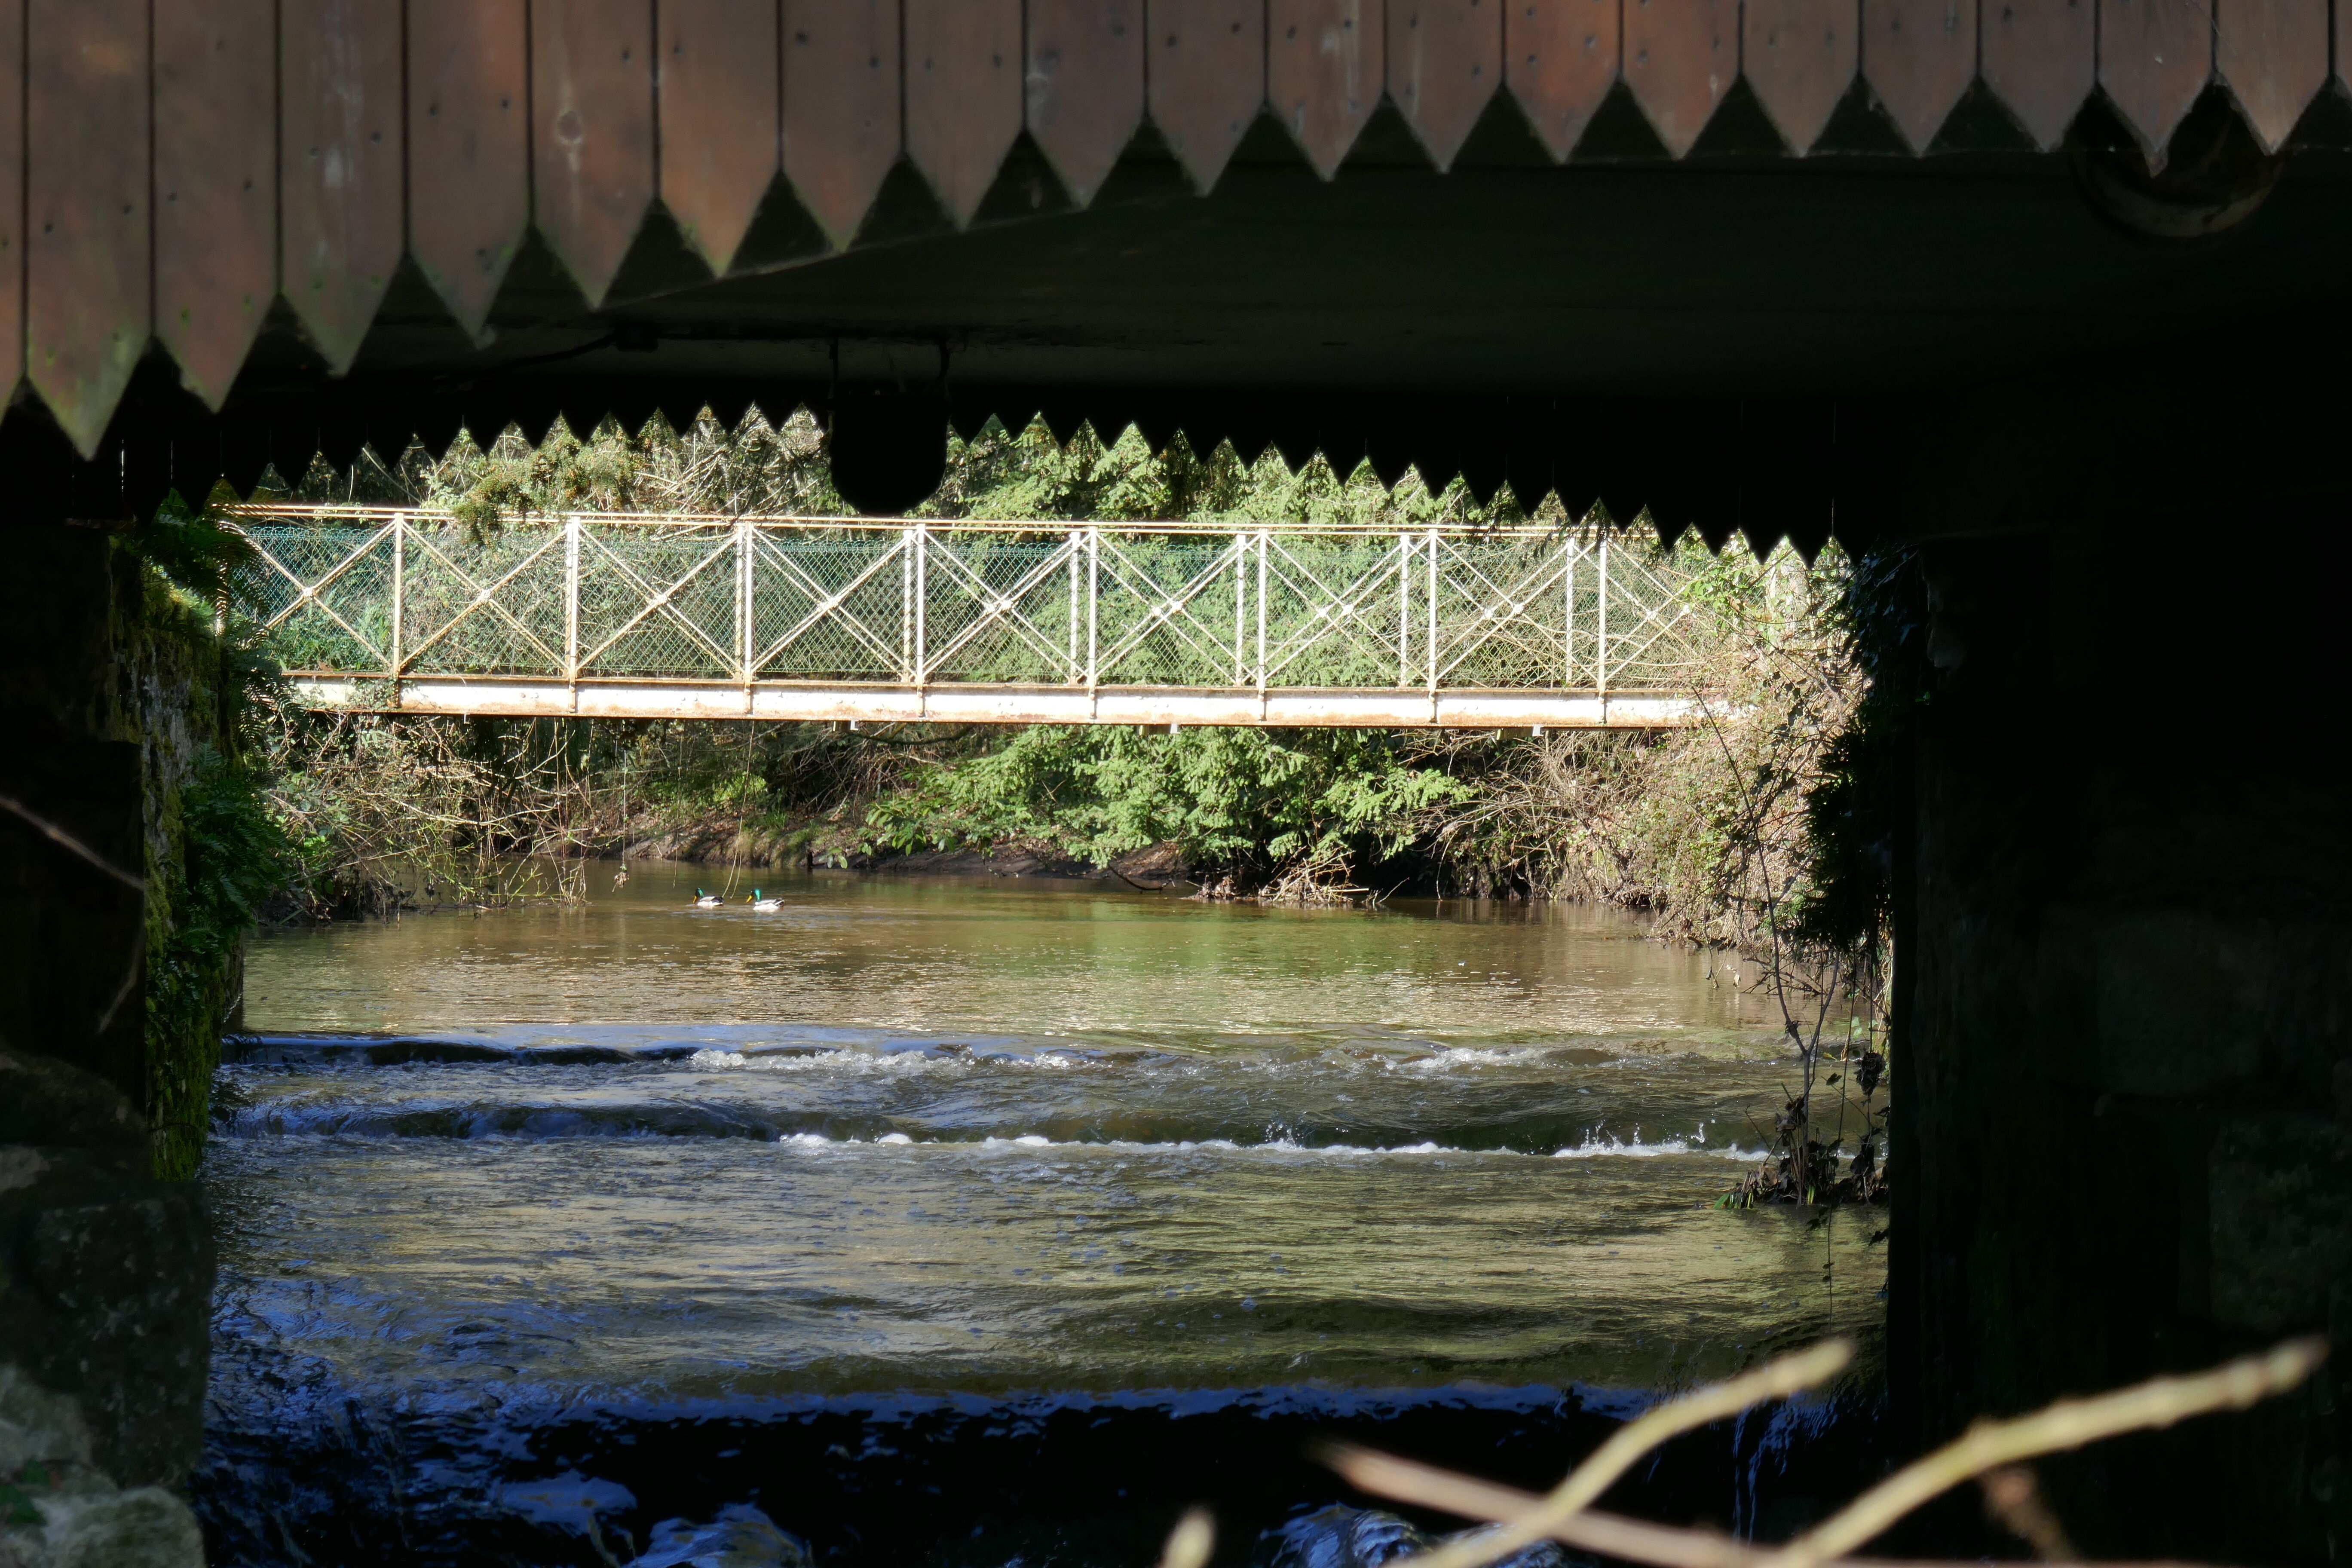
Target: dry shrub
{"type": "Point", "coordinates": [1703, 827]}
{"type": "Point", "coordinates": [390, 813]}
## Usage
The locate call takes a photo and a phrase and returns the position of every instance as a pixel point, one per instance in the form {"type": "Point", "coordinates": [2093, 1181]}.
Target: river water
{"type": "Point", "coordinates": [973, 1221]}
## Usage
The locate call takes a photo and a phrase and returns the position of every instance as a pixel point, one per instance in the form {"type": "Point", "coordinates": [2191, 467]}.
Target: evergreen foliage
{"type": "Point", "coordinates": [1247, 802]}
{"type": "Point", "coordinates": [1011, 475]}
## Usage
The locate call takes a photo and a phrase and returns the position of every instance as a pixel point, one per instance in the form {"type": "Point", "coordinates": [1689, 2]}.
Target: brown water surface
{"type": "Point", "coordinates": [961, 1141]}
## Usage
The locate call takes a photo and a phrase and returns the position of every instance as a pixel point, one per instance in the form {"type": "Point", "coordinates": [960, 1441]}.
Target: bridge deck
{"type": "Point", "coordinates": [648, 617]}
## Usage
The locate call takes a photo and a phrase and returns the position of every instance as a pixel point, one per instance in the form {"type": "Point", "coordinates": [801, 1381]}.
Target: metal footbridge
{"type": "Point", "coordinates": [672, 617]}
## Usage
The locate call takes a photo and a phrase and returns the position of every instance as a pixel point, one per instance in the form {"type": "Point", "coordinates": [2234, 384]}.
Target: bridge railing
{"type": "Point", "coordinates": [398, 594]}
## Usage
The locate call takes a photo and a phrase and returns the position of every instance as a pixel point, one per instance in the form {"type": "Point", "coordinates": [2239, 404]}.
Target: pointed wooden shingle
{"type": "Point", "coordinates": [721, 118]}
{"type": "Point", "coordinates": [339, 166]}
{"type": "Point", "coordinates": [1919, 57]}
{"type": "Point", "coordinates": [1085, 81]}
{"type": "Point", "coordinates": [841, 107]}
{"type": "Point", "coordinates": [1799, 56]}
{"type": "Point", "coordinates": [1444, 62]}
{"type": "Point", "coordinates": [1559, 58]}
{"type": "Point", "coordinates": [2272, 57]}
{"type": "Point", "coordinates": [2039, 60]}
{"type": "Point", "coordinates": [963, 96]}
{"type": "Point", "coordinates": [87, 316]}
{"type": "Point", "coordinates": [1681, 56]}
{"type": "Point", "coordinates": [1325, 72]}
{"type": "Point", "coordinates": [2155, 57]}
{"type": "Point", "coordinates": [1205, 72]}
{"type": "Point", "coordinates": [593, 133]}
{"type": "Point", "coordinates": [12, 199]}
{"type": "Point", "coordinates": [215, 185]}
{"type": "Point", "coordinates": [469, 148]}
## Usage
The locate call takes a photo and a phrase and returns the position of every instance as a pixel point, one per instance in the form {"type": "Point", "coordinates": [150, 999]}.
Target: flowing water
{"type": "Point", "coordinates": [975, 1222]}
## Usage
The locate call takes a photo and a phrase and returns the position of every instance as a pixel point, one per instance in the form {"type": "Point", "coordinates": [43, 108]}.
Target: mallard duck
{"type": "Point", "coordinates": [703, 900]}
{"type": "Point", "coordinates": [758, 903]}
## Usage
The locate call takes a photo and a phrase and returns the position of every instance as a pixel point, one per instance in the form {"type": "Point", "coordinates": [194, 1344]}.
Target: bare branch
{"type": "Point", "coordinates": [1776, 1379]}
{"type": "Point", "coordinates": [1610, 1534]}
{"type": "Point", "coordinates": [1190, 1543]}
{"type": "Point", "coordinates": [2069, 1424]}
{"type": "Point", "coordinates": [58, 835]}
{"type": "Point", "coordinates": [1522, 1518]}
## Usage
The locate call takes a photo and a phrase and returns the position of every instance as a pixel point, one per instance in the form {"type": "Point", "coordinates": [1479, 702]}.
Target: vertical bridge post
{"type": "Point", "coordinates": [1077, 548]}
{"type": "Point", "coordinates": [1601, 643]}
{"type": "Point", "coordinates": [744, 651]}
{"type": "Point", "coordinates": [1432, 623]}
{"type": "Point", "coordinates": [915, 539]}
{"type": "Point", "coordinates": [1571, 547]}
{"type": "Point", "coordinates": [1405, 610]}
{"type": "Point", "coordinates": [399, 603]}
{"type": "Point", "coordinates": [905, 607]}
{"type": "Point", "coordinates": [572, 608]}
{"type": "Point", "coordinates": [1240, 608]}
{"type": "Point", "coordinates": [1262, 540]}
{"type": "Point", "coordinates": [1094, 613]}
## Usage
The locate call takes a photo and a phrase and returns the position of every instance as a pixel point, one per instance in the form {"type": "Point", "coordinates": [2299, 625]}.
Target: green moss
{"type": "Point", "coordinates": [231, 856]}
{"type": "Point", "coordinates": [213, 852]}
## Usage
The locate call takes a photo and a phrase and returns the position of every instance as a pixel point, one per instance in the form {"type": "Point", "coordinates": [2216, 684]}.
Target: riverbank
{"type": "Point", "coordinates": [806, 846]}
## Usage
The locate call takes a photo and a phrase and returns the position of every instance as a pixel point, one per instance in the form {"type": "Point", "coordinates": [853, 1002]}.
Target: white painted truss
{"type": "Point", "coordinates": [853, 619]}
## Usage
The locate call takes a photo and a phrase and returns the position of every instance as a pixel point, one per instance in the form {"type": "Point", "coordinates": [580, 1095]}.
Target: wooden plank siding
{"type": "Point", "coordinates": [842, 107]}
{"type": "Point", "coordinates": [1205, 72]}
{"type": "Point", "coordinates": [1801, 57]}
{"type": "Point", "coordinates": [2272, 55]}
{"type": "Point", "coordinates": [2041, 61]}
{"type": "Point", "coordinates": [1918, 56]}
{"type": "Point", "coordinates": [592, 83]}
{"type": "Point", "coordinates": [215, 186]}
{"type": "Point", "coordinates": [1085, 78]}
{"type": "Point", "coordinates": [12, 196]}
{"type": "Point", "coordinates": [1444, 61]}
{"type": "Point", "coordinates": [1323, 72]}
{"type": "Point", "coordinates": [1681, 58]}
{"type": "Point", "coordinates": [1560, 58]}
{"type": "Point", "coordinates": [340, 165]}
{"type": "Point", "coordinates": [89, 285]}
{"type": "Point", "coordinates": [469, 136]}
{"type": "Point", "coordinates": [172, 169]}
{"type": "Point", "coordinates": [2155, 57]}
{"type": "Point", "coordinates": [722, 119]}
{"type": "Point", "coordinates": [963, 96]}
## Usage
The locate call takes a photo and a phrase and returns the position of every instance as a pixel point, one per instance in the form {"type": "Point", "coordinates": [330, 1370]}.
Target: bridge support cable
{"type": "Point", "coordinates": [782, 618]}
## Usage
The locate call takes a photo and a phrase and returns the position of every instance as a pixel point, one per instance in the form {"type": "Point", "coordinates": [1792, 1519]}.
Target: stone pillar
{"type": "Point", "coordinates": [2127, 1012]}
{"type": "Point", "coordinates": [105, 1274]}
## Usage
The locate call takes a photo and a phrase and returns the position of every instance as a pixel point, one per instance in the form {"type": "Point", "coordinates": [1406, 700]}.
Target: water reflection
{"type": "Point", "coordinates": [995, 953]}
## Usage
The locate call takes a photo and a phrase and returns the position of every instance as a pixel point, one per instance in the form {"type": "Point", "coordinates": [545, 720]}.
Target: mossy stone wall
{"type": "Point", "coordinates": [105, 1271]}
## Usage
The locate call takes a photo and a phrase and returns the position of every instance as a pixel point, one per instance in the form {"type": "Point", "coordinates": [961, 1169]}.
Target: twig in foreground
{"type": "Point", "coordinates": [1190, 1543]}
{"type": "Point", "coordinates": [1775, 1379]}
{"type": "Point", "coordinates": [1609, 1534]}
{"type": "Point", "coordinates": [1523, 1518]}
{"type": "Point", "coordinates": [2069, 1424]}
